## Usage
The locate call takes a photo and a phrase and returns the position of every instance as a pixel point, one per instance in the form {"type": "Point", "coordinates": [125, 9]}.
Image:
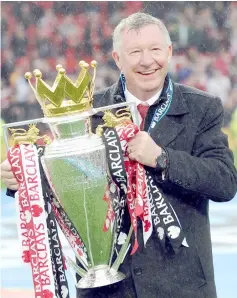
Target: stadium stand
{"type": "Point", "coordinates": [41, 34]}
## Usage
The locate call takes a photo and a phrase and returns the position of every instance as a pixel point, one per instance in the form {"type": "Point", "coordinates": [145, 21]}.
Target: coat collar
{"type": "Point", "coordinates": [178, 106]}
{"type": "Point", "coordinates": [168, 128]}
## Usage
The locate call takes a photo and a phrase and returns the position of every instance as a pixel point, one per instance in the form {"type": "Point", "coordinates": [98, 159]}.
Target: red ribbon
{"type": "Point", "coordinates": [24, 162]}
{"type": "Point", "coordinates": [137, 194]}
{"type": "Point", "coordinates": [73, 239]}
{"type": "Point", "coordinates": [110, 216]}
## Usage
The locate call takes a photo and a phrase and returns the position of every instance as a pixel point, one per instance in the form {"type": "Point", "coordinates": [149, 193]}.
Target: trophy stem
{"type": "Point", "coordinates": [122, 252]}
{"type": "Point", "coordinates": [89, 126]}
{"type": "Point", "coordinates": [69, 129]}
{"type": "Point", "coordinates": [80, 259]}
{"type": "Point", "coordinates": [78, 269]}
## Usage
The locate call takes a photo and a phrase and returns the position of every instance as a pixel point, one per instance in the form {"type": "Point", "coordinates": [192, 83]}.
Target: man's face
{"type": "Point", "coordinates": [143, 58]}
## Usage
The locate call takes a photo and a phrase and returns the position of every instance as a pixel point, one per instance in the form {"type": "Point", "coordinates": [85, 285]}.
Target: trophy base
{"type": "Point", "coordinates": [99, 276]}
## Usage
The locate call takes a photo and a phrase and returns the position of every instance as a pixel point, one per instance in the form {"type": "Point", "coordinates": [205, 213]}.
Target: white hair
{"type": "Point", "coordinates": [135, 22]}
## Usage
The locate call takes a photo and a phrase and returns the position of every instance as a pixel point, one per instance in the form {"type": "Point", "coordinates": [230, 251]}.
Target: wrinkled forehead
{"type": "Point", "coordinates": [145, 35]}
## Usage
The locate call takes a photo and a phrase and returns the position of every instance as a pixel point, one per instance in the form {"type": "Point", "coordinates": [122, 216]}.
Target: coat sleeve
{"type": "Point", "coordinates": [10, 192]}
{"type": "Point", "coordinates": [209, 172]}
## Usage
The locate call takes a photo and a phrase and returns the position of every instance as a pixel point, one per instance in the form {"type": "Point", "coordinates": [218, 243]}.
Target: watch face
{"type": "Point", "coordinates": [161, 161]}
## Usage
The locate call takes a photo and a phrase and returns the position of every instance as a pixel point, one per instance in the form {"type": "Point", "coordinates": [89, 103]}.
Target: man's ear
{"type": "Point", "coordinates": [170, 50]}
{"type": "Point", "coordinates": [115, 56]}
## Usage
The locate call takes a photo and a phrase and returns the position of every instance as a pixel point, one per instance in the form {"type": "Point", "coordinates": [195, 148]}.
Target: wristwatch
{"type": "Point", "coordinates": [162, 161]}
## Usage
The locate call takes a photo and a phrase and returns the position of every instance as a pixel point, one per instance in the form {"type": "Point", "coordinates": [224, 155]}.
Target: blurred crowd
{"type": "Point", "coordinates": [42, 34]}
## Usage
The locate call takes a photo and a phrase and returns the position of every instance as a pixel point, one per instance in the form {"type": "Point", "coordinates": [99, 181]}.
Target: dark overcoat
{"type": "Point", "coordinates": [200, 169]}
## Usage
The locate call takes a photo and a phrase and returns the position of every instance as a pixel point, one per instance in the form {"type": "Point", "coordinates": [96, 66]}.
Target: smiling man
{"type": "Point", "coordinates": [183, 148]}
{"type": "Point", "coordinates": [184, 151]}
{"type": "Point", "coordinates": [143, 56]}
{"type": "Point", "coordinates": [142, 51]}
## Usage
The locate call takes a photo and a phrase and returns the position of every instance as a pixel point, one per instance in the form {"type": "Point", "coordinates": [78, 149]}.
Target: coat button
{"type": "Point", "coordinates": [137, 271]}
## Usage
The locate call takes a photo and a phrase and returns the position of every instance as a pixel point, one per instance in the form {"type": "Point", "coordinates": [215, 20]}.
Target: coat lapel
{"type": "Point", "coordinates": [166, 131]}
{"type": "Point", "coordinates": [113, 95]}
{"type": "Point", "coordinates": [169, 128]}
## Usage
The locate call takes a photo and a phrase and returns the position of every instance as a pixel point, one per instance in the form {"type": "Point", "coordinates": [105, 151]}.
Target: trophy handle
{"type": "Point", "coordinates": [50, 121]}
{"type": "Point", "coordinates": [77, 268]}
{"type": "Point", "coordinates": [14, 124]}
{"type": "Point", "coordinates": [132, 105]}
{"type": "Point", "coordinates": [122, 252]}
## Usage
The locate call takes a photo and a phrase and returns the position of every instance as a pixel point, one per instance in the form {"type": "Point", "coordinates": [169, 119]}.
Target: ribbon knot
{"type": "Point", "coordinates": [142, 109]}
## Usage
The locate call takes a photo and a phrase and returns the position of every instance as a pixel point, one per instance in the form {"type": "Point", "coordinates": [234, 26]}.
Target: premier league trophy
{"type": "Point", "coordinates": [76, 168]}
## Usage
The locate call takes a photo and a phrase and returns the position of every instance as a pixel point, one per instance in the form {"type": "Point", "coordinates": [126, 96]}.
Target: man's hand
{"type": "Point", "coordinates": [7, 176]}
{"type": "Point", "coordinates": [143, 149]}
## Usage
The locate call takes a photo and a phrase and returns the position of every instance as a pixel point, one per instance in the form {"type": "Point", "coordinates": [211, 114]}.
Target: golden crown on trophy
{"type": "Point", "coordinates": [65, 96]}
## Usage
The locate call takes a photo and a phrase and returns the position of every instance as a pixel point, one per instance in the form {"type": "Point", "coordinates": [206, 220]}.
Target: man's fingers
{"type": "Point", "coordinates": [11, 183]}
{"type": "Point", "coordinates": [7, 175]}
{"type": "Point", "coordinates": [13, 186]}
{"type": "Point", "coordinates": [140, 137]}
{"type": "Point", "coordinates": [131, 143]}
{"type": "Point", "coordinates": [132, 156]}
{"type": "Point", "coordinates": [5, 166]}
{"type": "Point", "coordinates": [11, 180]}
{"type": "Point", "coordinates": [131, 149]}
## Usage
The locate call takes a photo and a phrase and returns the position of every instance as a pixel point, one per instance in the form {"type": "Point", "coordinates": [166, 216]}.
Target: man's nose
{"type": "Point", "coordinates": [146, 58]}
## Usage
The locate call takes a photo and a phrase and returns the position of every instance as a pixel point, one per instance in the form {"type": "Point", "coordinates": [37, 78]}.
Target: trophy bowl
{"type": "Point", "coordinates": [76, 169]}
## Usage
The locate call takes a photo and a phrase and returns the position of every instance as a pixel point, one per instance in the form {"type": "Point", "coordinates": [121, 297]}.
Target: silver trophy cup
{"type": "Point", "coordinates": [76, 169]}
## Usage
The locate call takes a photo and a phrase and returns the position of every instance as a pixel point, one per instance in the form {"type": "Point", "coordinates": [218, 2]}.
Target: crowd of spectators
{"type": "Point", "coordinates": [42, 34]}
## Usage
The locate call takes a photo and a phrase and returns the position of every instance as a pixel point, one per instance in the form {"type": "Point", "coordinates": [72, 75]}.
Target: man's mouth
{"type": "Point", "coordinates": [148, 72]}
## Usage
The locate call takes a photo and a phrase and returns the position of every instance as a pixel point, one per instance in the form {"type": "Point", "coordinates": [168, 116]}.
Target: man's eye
{"type": "Point", "coordinates": [135, 52]}
{"type": "Point", "coordinates": [155, 49]}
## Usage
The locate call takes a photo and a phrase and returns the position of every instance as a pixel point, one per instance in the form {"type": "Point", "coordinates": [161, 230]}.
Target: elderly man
{"type": "Point", "coordinates": [183, 148]}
